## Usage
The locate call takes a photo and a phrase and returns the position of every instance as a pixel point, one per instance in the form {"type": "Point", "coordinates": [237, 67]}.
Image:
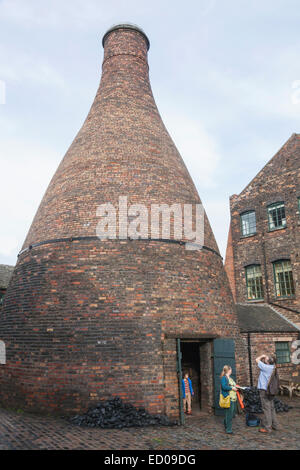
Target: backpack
{"type": "Point", "coordinates": [252, 420]}
{"type": "Point", "coordinates": [273, 384]}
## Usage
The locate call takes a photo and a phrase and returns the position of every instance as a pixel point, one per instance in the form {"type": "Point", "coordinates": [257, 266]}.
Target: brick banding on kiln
{"type": "Point", "coordinates": [161, 240]}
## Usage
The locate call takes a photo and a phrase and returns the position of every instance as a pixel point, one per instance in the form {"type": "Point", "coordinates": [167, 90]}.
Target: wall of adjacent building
{"type": "Point", "coordinates": [265, 343]}
{"type": "Point", "coordinates": [279, 180]}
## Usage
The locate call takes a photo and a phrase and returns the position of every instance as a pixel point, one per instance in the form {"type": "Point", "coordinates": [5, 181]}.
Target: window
{"type": "Point", "coordinates": [283, 352]}
{"type": "Point", "coordinates": [283, 276]}
{"type": "Point", "coordinates": [248, 223]}
{"type": "Point", "coordinates": [276, 216]}
{"type": "Point", "coordinates": [254, 282]}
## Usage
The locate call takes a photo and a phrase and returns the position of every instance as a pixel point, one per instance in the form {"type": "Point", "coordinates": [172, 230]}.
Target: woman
{"type": "Point", "coordinates": [228, 387]}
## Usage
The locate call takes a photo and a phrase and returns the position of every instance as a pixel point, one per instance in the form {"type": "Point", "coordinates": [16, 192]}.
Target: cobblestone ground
{"type": "Point", "coordinates": [25, 431]}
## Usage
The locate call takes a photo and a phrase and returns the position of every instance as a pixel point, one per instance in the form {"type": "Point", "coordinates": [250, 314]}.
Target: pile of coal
{"type": "Point", "coordinates": [281, 406]}
{"type": "Point", "coordinates": [253, 404]}
{"type": "Point", "coordinates": [114, 413]}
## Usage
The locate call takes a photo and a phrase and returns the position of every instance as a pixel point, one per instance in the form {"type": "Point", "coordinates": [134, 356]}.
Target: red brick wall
{"type": "Point", "coordinates": [229, 264]}
{"type": "Point", "coordinates": [264, 343]}
{"type": "Point", "coordinates": [279, 180]}
{"type": "Point", "coordinates": [84, 321]}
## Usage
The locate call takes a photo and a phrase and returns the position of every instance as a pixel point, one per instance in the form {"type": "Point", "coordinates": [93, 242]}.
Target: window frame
{"type": "Point", "coordinates": [284, 350]}
{"type": "Point", "coordinates": [256, 289]}
{"type": "Point", "coordinates": [273, 205]}
{"type": "Point", "coordinates": [251, 211]}
{"type": "Point", "coordinates": [277, 285]}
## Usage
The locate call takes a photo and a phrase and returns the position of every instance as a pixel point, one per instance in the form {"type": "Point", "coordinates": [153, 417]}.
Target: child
{"type": "Point", "coordinates": [187, 393]}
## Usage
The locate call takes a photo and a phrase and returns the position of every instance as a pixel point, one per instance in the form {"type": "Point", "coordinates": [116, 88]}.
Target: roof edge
{"type": "Point", "coordinates": [290, 139]}
{"type": "Point", "coordinates": [256, 326]}
{"type": "Point", "coordinates": [284, 318]}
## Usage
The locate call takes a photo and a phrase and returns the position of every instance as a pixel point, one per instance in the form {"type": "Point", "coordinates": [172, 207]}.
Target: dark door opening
{"type": "Point", "coordinates": [190, 363]}
{"type": "Point", "coordinates": [204, 359]}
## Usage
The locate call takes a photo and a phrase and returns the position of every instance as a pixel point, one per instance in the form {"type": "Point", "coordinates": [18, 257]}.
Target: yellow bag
{"type": "Point", "coordinates": [224, 402]}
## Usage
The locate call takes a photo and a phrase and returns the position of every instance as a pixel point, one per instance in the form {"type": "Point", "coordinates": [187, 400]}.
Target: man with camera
{"type": "Point", "coordinates": [266, 364]}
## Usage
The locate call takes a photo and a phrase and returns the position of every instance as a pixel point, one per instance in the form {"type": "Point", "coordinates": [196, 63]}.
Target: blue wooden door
{"type": "Point", "coordinates": [224, 354]}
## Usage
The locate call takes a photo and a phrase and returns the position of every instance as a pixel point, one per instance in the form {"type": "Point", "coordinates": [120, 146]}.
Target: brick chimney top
{"type": "Point", "coordinates": [126, 26]}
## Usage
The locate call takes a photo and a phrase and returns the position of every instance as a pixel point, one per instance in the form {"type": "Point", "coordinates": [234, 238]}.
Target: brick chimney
{"type": "Point", "coordinates": [86, 319]}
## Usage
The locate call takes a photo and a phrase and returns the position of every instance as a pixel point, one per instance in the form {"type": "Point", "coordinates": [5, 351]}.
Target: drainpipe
{"type": "Point", "coordinates": [250, 359]}
{"type": "Point", "coordinates": [266, 272]}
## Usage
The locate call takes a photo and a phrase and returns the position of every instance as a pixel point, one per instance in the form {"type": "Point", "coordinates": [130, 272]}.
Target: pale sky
{"type": "Point", "coordinates": [225, 76]}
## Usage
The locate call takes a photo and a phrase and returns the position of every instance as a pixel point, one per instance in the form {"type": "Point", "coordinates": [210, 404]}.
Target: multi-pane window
{"type": "Point", "coordinates": [248, 223]}
{"type": "Point", "coordinates": [276, 216]}
{"type": "Point", "coordinates": [283, 276]}
{"type": "Point", "coordinates": [283, 355]}
{"type": "Point", "coordinates": [254, 282]}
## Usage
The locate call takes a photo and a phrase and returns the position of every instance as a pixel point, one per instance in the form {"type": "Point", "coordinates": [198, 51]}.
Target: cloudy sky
{"type": "Point", "coordinates": [225, 76]}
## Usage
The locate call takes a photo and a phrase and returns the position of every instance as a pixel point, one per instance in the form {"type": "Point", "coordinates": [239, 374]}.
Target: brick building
{"type": "Point", "coordinates": [5, 275]}
{"type": "Point", "coordinates": [266, 331]}
{"type": "Point", "coordinates": [263, 257]}
{"type": "Point", "coordinates": [86, 319]}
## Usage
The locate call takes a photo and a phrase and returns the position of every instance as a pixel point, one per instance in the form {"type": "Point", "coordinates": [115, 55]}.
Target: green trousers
{"type": "Point", "coordinates": [229, 415]}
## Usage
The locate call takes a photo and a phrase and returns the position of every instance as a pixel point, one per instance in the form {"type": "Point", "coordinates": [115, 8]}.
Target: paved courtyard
{"type": "Point", "coordinates": [25, 431]}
